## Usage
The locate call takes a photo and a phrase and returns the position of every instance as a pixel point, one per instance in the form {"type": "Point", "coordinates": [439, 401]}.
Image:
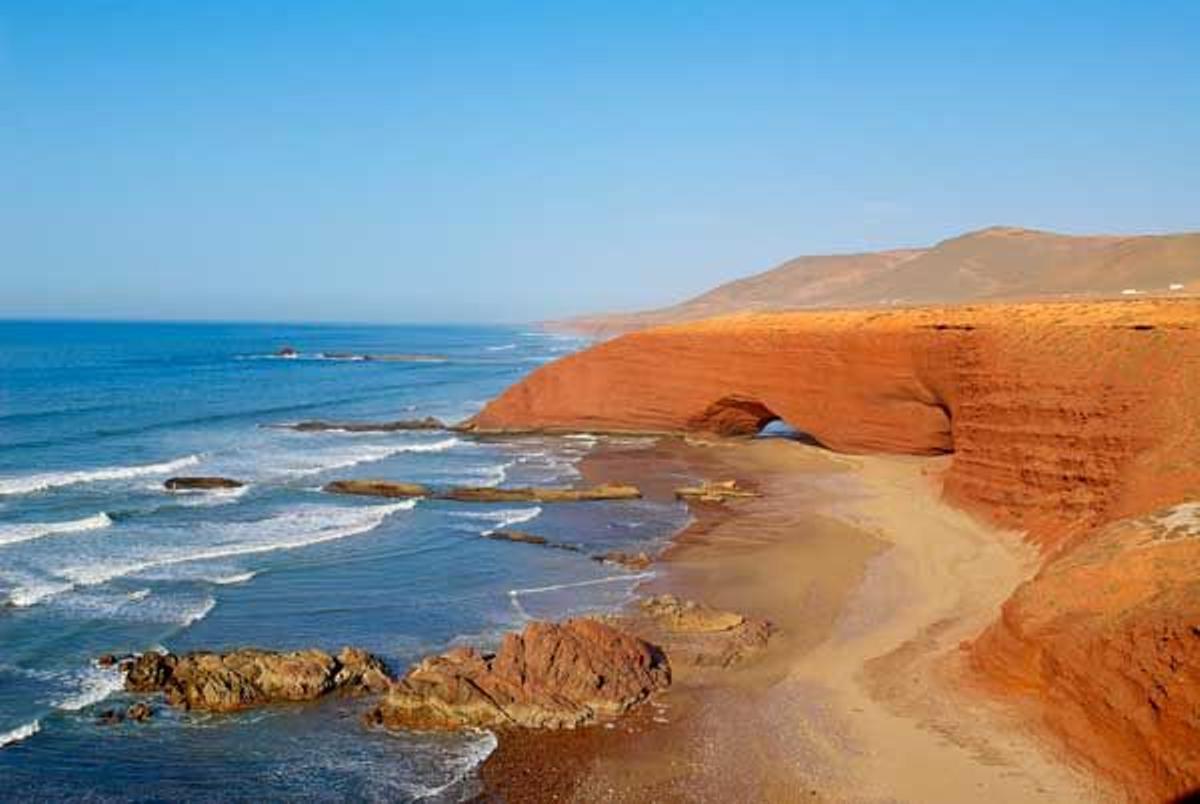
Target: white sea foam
{"type": "Point", "coordinates": [199, 613]}
{"type": "Point", "coordinates": [504, 518]}
{"type": "Point", "coordinates": [193, 498]}
{"type": "Point", "coordinates": [460, 765]}
{"type": "Point", "coordinates": [370, 454]}
{"type": "Point", "coordinates": [298, 528]}
{"type": "Point", "coordinates": [514, 595]}
{"type": "Point", "coordinates": [20, 733]}
{"type": "Point", "coordinates": [51, 480]}
{"type": "Point", "coordinates": [27, 531]}
{"type": "Point", "coordinates": [502, 348]}
{"type": "Point", "coordinates": [95, 684]}
{"type": "Point", "coordinates": [230, 580]}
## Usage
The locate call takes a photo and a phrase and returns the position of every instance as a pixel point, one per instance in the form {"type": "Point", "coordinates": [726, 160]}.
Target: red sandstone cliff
{"type": "Point", "coordinates": [1062, 418]}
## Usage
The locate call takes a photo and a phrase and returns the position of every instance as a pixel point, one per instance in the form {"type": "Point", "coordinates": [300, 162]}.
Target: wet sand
{"type": "Point", "coordinates": [872, 584]}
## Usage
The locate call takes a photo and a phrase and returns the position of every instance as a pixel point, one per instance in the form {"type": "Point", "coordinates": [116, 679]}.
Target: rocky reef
{"type": "Point", "coordinates": [242, 679]}
{"type": "Point", "coordinates": [399, 425]}
{"type": "Point", "coordinates": [201, 483]}
{"type": "Point", "coordinates": [551, 675]}
{"type": "Point", "coordinates": [1069, 421]}
{"type": "Point", "coordinates": [485, 494]}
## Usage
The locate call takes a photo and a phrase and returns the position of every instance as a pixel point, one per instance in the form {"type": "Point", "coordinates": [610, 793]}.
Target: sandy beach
{"type": "Point", "coordinates": [872, 583]}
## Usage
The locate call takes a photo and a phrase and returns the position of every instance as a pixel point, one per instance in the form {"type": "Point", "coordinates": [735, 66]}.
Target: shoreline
{"type": "Point", "coordinates": [871, 583]}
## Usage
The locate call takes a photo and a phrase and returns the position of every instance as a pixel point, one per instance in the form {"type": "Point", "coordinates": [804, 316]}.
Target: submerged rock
{"type": "Point", "coordinates": [201, 483]}
{"type": "Point", "coordinates": [316, 425]}
{"type": "Point", "coordinates": [139, 712]}
{"type": "Point", "coordinates": [377, 488]}
{"type": "Point", "coordinates": [516, 536]}
{"type": "Point", "coordinates": [246, 678]}
{"type": "Point", "coordinates": [551, 675]}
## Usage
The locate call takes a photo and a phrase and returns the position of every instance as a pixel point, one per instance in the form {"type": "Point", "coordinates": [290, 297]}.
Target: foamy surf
{"type": "Point", "coordinates": [232, 580]}
{"type": "Point", "coordinates": [28, 531]}
{"type": "Point", "coordinates": [95, 684]}
{"type": "Point", "coordinates": [52, 480]}
{"type": "Point", "coordinates": [459, 765]}
{"type": "Point", "coordinates": [23, 732]}
{"type": "Point", "coordinates": [361, 455]}
{"type": "Point", "coordinates": [504, 518]}
{"type": "Point", "coordinates": [502, 348]}
{"type": "Point", "coordinates": [308, 526]}
{"type": "Point", "coordinates": [514, 595]}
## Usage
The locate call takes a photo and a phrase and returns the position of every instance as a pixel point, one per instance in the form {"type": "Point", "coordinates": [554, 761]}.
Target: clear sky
{"type": "Point", "coordinates": [495, 161]}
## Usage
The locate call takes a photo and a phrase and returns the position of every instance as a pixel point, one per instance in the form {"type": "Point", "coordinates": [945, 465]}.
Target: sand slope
{"type": "Point", "coordinates": [1000, 263]}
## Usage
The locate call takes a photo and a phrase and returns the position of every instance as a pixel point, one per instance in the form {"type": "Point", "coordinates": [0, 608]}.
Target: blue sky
{"type": "Point", "coordinates": [451, 161]}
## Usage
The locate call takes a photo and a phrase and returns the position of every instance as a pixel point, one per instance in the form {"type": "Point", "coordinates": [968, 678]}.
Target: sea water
{"type": "Point", "coordinates": [97, 557]}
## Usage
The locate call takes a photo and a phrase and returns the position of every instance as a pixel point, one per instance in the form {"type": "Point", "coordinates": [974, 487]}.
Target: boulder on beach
{"type": "Point", "coordinates": [633, 561]}
{"type": "Point", "coordinates": [697, 634]}
{"type": "Point", "coordinates": [377, 488]}
{"type": "Point", "coordinates": [551, 675]}
{"type": "Point", "coordinates": [317, 425]}
{"type": "Point", "coordinates": [227, 682]}
{"type": "Point", "coordinates": [201, 483]}
{"type": "Point", "coordinates": [715, 491]}
{"type": "Point", "coordinates": [606, 491]}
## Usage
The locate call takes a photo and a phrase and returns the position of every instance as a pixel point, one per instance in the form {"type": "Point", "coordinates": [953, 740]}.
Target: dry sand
{"type": "Point", "coordinates": [872, 583]}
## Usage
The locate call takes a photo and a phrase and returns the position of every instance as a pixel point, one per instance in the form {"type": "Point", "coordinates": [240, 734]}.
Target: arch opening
{"type": "Point", "coordinates": [744, 416]}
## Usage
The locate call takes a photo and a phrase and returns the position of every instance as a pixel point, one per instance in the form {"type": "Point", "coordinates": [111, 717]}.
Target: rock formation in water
{"type": "Point", "coordinates": [227, 682]}
{"type": "Point", "coordinates": [1061, 418]}
{"type": "Point", "coordinates": [318, 426]}
{"type": "Point", "coordinates": [551, 675]}
{"type": "Point", "coordinates": [201, 483]}
{"type": "Point", "coordinates": [377, 488]}
{"type": "Point", "coordinates": [605, 491]}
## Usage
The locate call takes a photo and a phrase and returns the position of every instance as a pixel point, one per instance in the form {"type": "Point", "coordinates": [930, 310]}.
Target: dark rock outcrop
{"type": "Point", "coordinates": [201, 483]}
{"type": "Point", "coordinates": [607, 491]}
{"type": "Point", "coordinates": [516, 536]}
{"type": "Point", "coordinates": [551, 675]}
{"type": "Point", "coordinates": [317, 425]}
{"type": "Point", "coordinates": [377, 488]}
{"type": "Point", "coordinates": [247, 678]}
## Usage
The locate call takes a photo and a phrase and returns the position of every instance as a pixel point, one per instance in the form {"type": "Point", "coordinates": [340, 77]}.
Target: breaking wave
{"type": "Point", "coordinates": [20, 733]}
{"type": "Point", "coordinates": [51, 480]}
{"type": "Point", "coordinates": [28, 531]}
{"type": "Point", "coordinates": [299, 528]}
{"type": "Point", "coordinates": [504, 518]}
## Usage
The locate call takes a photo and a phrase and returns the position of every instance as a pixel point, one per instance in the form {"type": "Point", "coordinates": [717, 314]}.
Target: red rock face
{"type": "Point", "coordinates": [550, 675]}
{"type": "Point", "coordinates": [1061, 418]}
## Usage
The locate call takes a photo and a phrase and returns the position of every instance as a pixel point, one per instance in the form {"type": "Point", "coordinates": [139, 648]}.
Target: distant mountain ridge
{"type": "Point", "coordinates": [993, 264]}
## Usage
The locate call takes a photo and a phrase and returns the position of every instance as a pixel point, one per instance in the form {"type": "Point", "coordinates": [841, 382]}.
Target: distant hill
{"type": "Point", "coordinates": [999, 263]}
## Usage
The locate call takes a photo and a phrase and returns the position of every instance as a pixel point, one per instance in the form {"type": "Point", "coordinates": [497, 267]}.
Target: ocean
{"type": "Point", "coordinates": [96, 557]}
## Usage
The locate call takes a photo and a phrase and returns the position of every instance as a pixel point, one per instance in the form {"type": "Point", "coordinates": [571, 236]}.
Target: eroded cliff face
{"type": "Point", "coordinates": [1061, 417]}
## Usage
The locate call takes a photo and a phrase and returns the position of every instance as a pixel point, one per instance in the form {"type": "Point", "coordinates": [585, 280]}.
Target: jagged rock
{"type": "Point", "coordinates": [201, 483]}
{"type": "Point", "coordinates": [606, 491]}
{"type": "Point", "coordinates": [286, 351]}
{"type": "Point", "coordinates": [316, 425]}
{"type": "Point", "coordinates": [715, 491]}
{"type": "Point", "coordinates": [139, 712]}
{"type": "Point", "coordinates": [515, 536]}
{"type": "Point", "coordinates": [633, 561]}
{"type": "Point", "coordinates": [250, 677]}
{"type": "Point", "coordinates": [377, 488]}
{"type": "Point", "coordinates": [551, 675]}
